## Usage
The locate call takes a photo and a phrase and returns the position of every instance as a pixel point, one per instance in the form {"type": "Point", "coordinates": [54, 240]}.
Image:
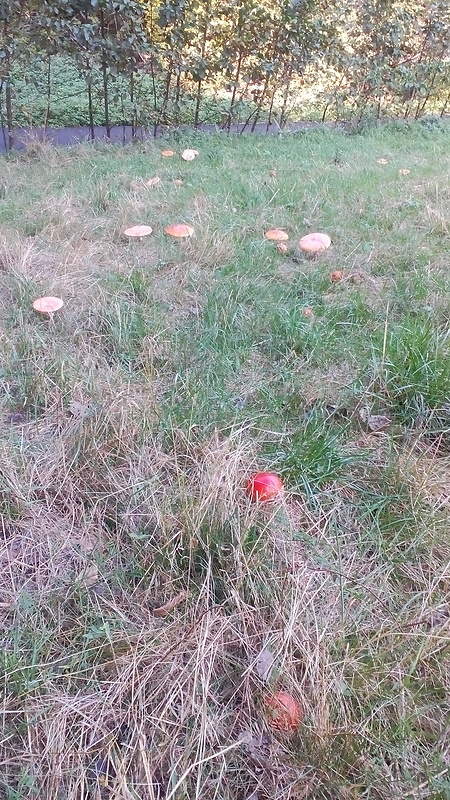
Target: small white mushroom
{"type": "Point", "coordinates": [189, 155]}
{"type": "Point", "coordinates": [138, 231]}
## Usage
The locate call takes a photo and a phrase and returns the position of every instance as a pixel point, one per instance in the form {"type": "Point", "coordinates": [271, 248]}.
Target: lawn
{"type": "Point", "coordinates": [149, 609]}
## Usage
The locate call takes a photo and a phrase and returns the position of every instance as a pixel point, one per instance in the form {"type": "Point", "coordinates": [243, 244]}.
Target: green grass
{"type": "Point", "coordinates": [130, 423]}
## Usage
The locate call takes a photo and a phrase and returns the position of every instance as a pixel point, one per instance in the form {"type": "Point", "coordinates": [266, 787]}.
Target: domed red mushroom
{"type": "Point", "coordinates": [284, 712]}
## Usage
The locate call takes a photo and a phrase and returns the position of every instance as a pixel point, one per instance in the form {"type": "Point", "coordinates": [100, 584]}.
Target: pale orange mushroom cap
{"type": "Point", "coordinates": [276, 235]}
{"type": "Point", "coordinates": [167, 153]}
{"type": "Point", "coordinates": [179, 229]}
{"type": "Point", "coordinates": [48, 305]}
{"type": "Point", "coordinates": [138, 231]}
{"type": "Point", "coordinates": [314, 242]}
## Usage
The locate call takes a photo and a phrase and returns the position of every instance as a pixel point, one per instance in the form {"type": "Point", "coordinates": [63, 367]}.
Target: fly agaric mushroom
{"type": "Point", "coordinates": [48, 305]}
{"type": "Point", "coordinates": [167, 153]}
{"type": "Point", "coordinates": [138, 231]}
{"type": "Point", "coordinates": [313, 243]}
{"type": "Point", "coordinates": [179, 229]}
{"type": "Point", "coordinates": [263, 487]}
{"type": "Point", "coordinates": [283, 711]}
{"type": "Point", "coordinates": [276, 235]}
{"type": "Point", "coordinates": [189, 155]}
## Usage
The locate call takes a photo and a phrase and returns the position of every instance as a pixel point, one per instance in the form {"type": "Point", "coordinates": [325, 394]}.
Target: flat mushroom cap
{"type": "Point", "coordinates": [314, 242]}
{"type": "Point", "coordinates": [48, 305]}
{"type": "Point", "coordinates": [189, 155]}
{"type": "Point", "coordinates": [138, 231]}
{"type": "Point", "coordinates": [179, 229]}
{"type": "Point", "coordinates": [167, 153]}
{"type": "Point", "coordinates": [276, 235]}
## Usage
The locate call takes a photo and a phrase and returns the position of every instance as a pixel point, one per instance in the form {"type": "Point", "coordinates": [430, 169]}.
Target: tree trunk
{"type": "Point", "coordinates": [176, 119]}
{"type": "Point", "coordinates": [90, 105]}
{"type": "Point", "coordinates": [283, 114]}
{"type": "Point", "coordinates": [156, 113]}
{"type": "Point", "coordinates": [7, 85]}
{"type": "Point", "coordinates": [9, 114]}
{"type": "Point", "coordinates": [445, 106]}
{"type": "Point", "coordinates": [259, 105]}
{"type": "Point", "coordinates": [106, 98]}
{"type": "Point", "coordinates": [335, 96]}
{"type": "Point", "coordinates": [165, 99]}
{"type": "Point", "coordinates": [49, 93]}
{"type": "Point", "coordinates": [105, 77]}
{"type": "Point", "coordinates": [202, 55]}
{"type": "Point", "coordinates": [133, 108]}
{"type": "Point", "coordinates": [233, 95]}
{"type": "Point", "coordinates": [2, 119]}
{"type": "Point", "coordinates": [269, 118]}
{"type": "Point", "coordinates": [197, 103]}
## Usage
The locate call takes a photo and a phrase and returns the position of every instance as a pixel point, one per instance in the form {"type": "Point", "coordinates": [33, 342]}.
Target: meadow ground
{"type": "Point", "coordinates": [148, 607]}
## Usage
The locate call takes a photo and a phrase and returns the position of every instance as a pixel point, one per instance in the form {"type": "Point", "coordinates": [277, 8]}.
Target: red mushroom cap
{"type": "Point", "coordinates": [284, 711]}
{"type": "Point", "coordinates": [179, 229]}
{"type": "Point", "coordinates": [264, 486]}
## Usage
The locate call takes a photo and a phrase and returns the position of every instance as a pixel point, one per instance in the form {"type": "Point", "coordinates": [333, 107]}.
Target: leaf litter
{"type": "Point", "coordinates": [264, 664]}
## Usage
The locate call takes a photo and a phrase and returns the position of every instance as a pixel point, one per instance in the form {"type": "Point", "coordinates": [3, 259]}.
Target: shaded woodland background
{"type": "Point", "coordinates": [153, 63]}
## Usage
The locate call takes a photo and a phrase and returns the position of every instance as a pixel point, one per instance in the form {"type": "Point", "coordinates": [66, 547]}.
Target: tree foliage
{"type": "Point", "coordinates": [368, 56]}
